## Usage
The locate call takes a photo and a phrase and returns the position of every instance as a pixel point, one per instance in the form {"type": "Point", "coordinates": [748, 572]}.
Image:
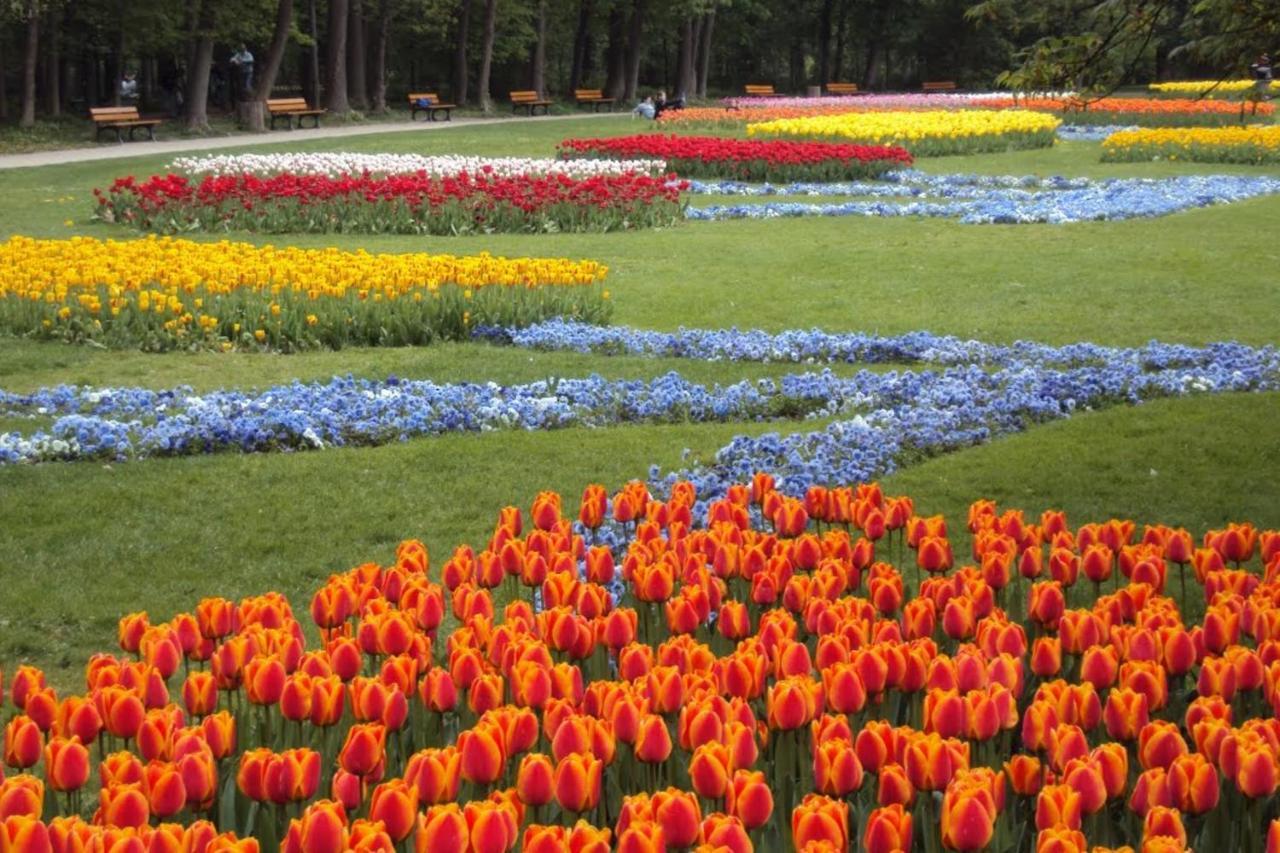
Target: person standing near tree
{"type": "Point", "coordinates": [242, 59]}
{"type": "Point", "coordinates": [1262, 76]}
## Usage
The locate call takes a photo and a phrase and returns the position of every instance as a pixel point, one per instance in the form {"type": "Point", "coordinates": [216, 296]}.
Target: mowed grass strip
{"type": "Point", "coordinates": [84, 544]}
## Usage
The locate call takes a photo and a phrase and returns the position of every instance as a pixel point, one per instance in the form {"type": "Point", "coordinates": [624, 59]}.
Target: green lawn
{"type": "Point", "coordinates": [83, 543]}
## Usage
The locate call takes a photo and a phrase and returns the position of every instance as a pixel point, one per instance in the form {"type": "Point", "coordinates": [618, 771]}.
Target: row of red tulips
{"type": "Point", "coordinates": [744, 673]}
{"type": "Point", "coordinates": [400, 204]}
{"type": "Point", "coordinates": [747, 160]}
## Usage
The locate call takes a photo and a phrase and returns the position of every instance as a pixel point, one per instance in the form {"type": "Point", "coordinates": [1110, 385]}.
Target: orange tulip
{"type": "Point", "coordinates": [1258, 772]}
{"type": "Point", "coordinates": [23, 742]}
{"type": "Point", "coordinates": [577, 782]}
{"type": "Point", "coordinates": [442, 829]}
{"type": "Point", "coordinates": [1058, 805]}
{"type": "Point", "coordinates": [817, 820]}
{"type": "Point", "coordinates": [1159, 743]}
{"type": "Point", "coordinates": [836, 769]}
{"type": "Point", "coordinates": [679, 815]}
{"type": "Point", "coordinates": [582, 838]}
{"type": "Point", "coordinates": [364, 748]}
{"type": "Point", "coordinates": [165, 790]}
{"type": "Point", "coordinates": [1162, 821]}
{"type": "Point", "coordinates": [23, 834]}
{"type": "Point", "coordinates": [653, 739]}
{"type": "Point", "coordinates": [888, 830]}
{"type": "Point", "coordinates": [1125, 713]}
{"type": "Point", "coordinates": [395, 804]}
{"type": "Point", "coordinates": [483, 754]}
{"type": "Point", "coordinates": [123, 806]}
{"type": "Point", "coordinates": [66, 764]}
{"type": "Point", "coordinates": [709, 770]}
{"type": "Point", "coordinates": [21, 795]}
{"type": "Point", "coordinates": [968, 816]}
{"type": "Point", "coordinates": [1024, 774]}
{"type": "Point", "coordinates": [749, 798]}
{"type": "Point", "coordinates": [931, 761]}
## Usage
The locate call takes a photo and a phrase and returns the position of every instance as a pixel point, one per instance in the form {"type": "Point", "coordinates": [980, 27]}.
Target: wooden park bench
{"type": "Point", "coordinates": [594, 97]}
{"type": "Point", "coordinates": [761, 90]}
{"type": "Point", "coordinates": [529, 102]}
{"type": "Point", "coordinates": [842, 88]}
{"type": "Point", "coordinates": [939, 86]}
{"type": "Point", "coordinates": [429, 103]}
{"type": "Point", "coordinates": [288, 108]}
{"type": "Point", "coordinates": [119, 118]}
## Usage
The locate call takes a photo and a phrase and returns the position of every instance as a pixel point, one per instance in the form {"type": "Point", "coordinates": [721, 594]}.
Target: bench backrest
{"type": "Point", "coordinates": [524, 97]}
{"type": "Point", "coordinates": [114, 113]}
{"type": "Point", "coordinates": [285, 104]}
{"type": "Point", "coordinates": [588, 94]}
{"type": "Point", "coordinates": [759, 89]}
{"type": "Point", "coordinates": [940, 86]}
{"type": "Point", "coordinates": [842, 88]}
{"type": "Point", "coordinates": [414, 97]}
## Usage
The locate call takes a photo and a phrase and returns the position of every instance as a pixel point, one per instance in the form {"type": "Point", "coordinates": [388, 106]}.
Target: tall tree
{"type": "Point", "coordinates": [378, 81]}
{"type": "Point", "coordinates": [335, 72]}
{"type": "Point", "coordinates": [538, 61]}
{"type": "Point", "coordinates": [486, 54]}
{"type": "Point", "coordinates": [686, 80]}
{"type": "Point", "coordinates": [463, 18]}
{"type": "Point", "coordinates": [581, 46]}
{"type": "Point", "coordinates": [635, 38]}
{"type": "Point", "coordinates": [253, 111]}
{"type": "Point", "coordinates": [615, 57]}
{"type": "Point", "coordinates": [199, 63]}
{"type": "Point", "coordinates": [357, 61]}
{"type": "Point", "coordinates": [313, 53]}
{"type": "Point", "coordinates": [53, 63]}
{"type": "Point", "coordinates": [704, 51]}
{"type": "Point", "coordinates": [30, 58]}
{"type": "Point", "coordinates": [824, 42]}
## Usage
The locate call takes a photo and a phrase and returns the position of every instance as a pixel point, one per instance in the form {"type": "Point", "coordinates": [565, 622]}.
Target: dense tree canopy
{"type": "Point", "coordinates": [65, 55]}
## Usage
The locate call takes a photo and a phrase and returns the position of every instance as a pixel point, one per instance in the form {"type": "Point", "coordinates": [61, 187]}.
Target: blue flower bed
{"type": "Point", "coordinates": [980, 391]}
{"type": "Point", "coordinates": [1090, 132]}
{"type": "Point", "coordinates": [998, 200]}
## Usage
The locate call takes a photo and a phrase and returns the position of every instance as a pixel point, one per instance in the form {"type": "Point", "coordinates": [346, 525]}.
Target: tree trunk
{"type": "Point", "coordinates": [378, 86]}
{"type": "Point", "coordinates": [538, 71]}
{"type": "Point", "coordinates": [842, 30]}
{"type": "Point", "coordinates": [824, 43]}
{"type": "Point", "coordinates": [253, 112]}
{"type": "Point", "coordinates": [335, 72]}
{"type": "Point", "coordinates": [460, 53]}
{"type": "Point", "coordinates": [875, 54]}
{"type": "Point", "coordinates": [313, 56]}
{"type": "Point", "coordinates": [53, 68]}
{"type": "Point", "coordinates": [29, 66]}
{"type": "Point", "coordinates": [615, 56]}
{"type": "Point", "coordinates": [486, 54]}
{"type": "Point", "coordinates": [635, 36]}
{"type": "Point", "coordinates": [119, 55]}
{"type": "Point", "coordinates": [704, 52]}
{"type": "Point", "coordinates": [687, 63]}
{"type": "Point", "coordinates": [357, 61]}
{"type": "Point", "coordinates": [4, 90]}
{"type": "Point", "coordinates": [581, 41]}
{"type": "Point", "coordinates": [201, 61]}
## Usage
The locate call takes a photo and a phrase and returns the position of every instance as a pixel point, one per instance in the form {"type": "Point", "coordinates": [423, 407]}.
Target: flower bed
{"type": "Point", "coordinates": [398, 204]}
{"type": "Point", "coordinates": [712, 156]}
{"type": "Point", "coordinates": [983, 203]}
{"type": "Point", "coordinates": [1203, 145]}
{"type": "Point", "coordinates": [985, 391]}
{"type": "Point", "coordinates": [927, 133]}
{"type": "Point", "coordinates": [1145, 112]}
{"type": "Point", "coordinates": [748, 668]}
{"type": "Point", "coordinates": [338, 163]}
{"type": "Point", "coordinates": [163, 293]}
{"type": "Point", "coordinates": [1208, 88]}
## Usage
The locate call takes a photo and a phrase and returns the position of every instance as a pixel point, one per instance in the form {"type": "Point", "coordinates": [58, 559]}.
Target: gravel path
{"type": "Point", "coordinates": [114, 151]}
